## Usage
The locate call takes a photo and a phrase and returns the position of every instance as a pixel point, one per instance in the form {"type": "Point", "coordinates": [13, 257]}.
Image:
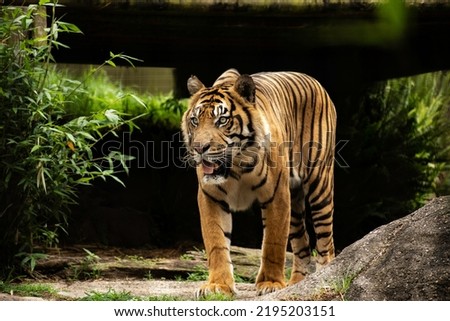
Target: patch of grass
{"type": "Point", "coordinates": [287, 273]}
{"type": "Point", "coordinates": [187, 257]}
{"type": "Point", "coordinates": [148, 276]}
{"type": "Point", "coordinates": [113, 295]}
{"type": "Point", "coordinates": [336, 288]}
{"type": "Point", "coordinates": [110, 295]}
{"type": "Point", "coordinates": [162, 298]}
{"type": "Point", "coordinates": [200, 274]}
{"type": "Point", "coordinates": [179, 278]}
{"type": "Point", "coordinates": [87, 269]}
{"type": "Point", "coordinates": [135, 258]}
{"type": "Point", "coordinates": [28, 289]}
{"type": "Point", "coordinates": [217, 297]}
{"type": "Point", "coordinates": [342, 284]}
{"type": "Point", "coordinates": [242, 279]}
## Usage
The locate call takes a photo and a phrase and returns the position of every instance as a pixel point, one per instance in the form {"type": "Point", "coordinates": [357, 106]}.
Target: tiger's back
{"type": "Point", "coordinates": [284, 127]}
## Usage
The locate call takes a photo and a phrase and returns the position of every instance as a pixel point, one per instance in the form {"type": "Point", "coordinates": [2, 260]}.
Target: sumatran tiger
{"type": "Point", "coordinates": [265, 139]}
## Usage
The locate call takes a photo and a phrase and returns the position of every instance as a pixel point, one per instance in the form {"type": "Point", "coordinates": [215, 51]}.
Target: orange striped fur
{"type": "Point", "coordinates": [265, 139]}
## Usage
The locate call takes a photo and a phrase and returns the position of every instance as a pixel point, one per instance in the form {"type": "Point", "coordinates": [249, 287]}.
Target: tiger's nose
{"type": "Point", "coordinates": [202, 148]}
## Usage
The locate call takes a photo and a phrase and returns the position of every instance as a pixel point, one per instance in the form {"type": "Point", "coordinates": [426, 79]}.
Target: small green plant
{"type": "Point", "coordinates": [149, 276]}
{"type": "Point", "coordinates": [29, 260]}
{"type": "Point", "coordinates": [200, 274]}
{"type": "Point", "coordinates": [217, 297]}
{"type": "Point", "coordinates": [287, 273]}
{"type": "Point", "coordinates": [110, 295]}
{"type": "Point", "coordinates": [336, 288]}
{"type": "Point", "coordinates": [161, 298]}
{"type": "Point", "coordinates": [113, 295]}
{"type": "Point", "coordinates": [242, 279]}
{"type": "Point", "coordinates": [135, 258]}
{"type": "Point", "coordinates": [187, 257]}
{"type": "Point", "coordinates": [87, 269]}
{"type": "Point", "coordinates": [342, 284]}
{"type": "Point", "coordinates": [28, 289]}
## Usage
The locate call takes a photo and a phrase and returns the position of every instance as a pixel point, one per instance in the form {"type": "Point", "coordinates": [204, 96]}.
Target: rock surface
{"type": "Point", "coordinates": [407, 259]}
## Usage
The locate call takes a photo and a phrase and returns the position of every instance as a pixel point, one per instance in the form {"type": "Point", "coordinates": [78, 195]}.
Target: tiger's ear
{"type": "Point", "coordinates": [245, 87]}
{"type": "Point", "coordinates": [194, 85]}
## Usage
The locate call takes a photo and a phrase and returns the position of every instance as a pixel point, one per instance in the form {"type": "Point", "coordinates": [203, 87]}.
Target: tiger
{"type": "Point", "coordinates": [265, 139]}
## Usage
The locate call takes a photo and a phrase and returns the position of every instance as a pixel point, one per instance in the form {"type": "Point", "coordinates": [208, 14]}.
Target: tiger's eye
{"type": "Point", "coordinates": [223, 120]}
{"type": "Point", "coordinates": [194, 121]}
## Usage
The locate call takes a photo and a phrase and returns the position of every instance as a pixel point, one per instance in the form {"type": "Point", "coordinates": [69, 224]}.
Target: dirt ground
{"type": "Point", "coordinates": [142, 288]}
{"type": "Point", "coordinates": [78, 271]}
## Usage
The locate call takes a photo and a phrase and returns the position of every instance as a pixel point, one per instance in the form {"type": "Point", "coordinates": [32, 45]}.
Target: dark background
{"type": "Point", "coordinates": [346, 47]}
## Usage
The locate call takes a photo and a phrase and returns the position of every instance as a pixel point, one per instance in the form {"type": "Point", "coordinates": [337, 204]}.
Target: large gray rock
{"type": "Point", "coordinates": [408, 259]}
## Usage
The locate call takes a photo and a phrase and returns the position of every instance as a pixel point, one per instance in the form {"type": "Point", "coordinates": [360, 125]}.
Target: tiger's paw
{"type": "Point", "coordinates": [213, 288]}
{"type": "Point", "coordinates": [296, 277]}
{"type": "Point", "coordinates": [266, 287]}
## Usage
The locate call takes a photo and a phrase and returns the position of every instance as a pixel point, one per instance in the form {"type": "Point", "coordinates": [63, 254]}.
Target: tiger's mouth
{"type": "Point", "coordinates": [213, 168]}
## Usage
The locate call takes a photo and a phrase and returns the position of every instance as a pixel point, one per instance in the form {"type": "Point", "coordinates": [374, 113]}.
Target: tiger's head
{"type": "Point", "coordinates": [222, 129]}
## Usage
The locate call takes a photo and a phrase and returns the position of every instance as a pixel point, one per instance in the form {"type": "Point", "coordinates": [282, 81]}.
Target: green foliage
{"type": "Point", "coordinates": [148, 276]}
{"type": "Point", "coordinates": [113, 295]}
{"type": "Point", "coordinates": [200, 274]}
{"type": "Point", "coordinates": [44, 154]}
{"type": "Point", "coordinates": [341, 285]}
{"type": "Point", "coordinates": [217, 297]}
{"type": "Point", "coordinates": [110, 295]}
{"type": "Point", "coordinates": [87, 269]}
{"type": "Point", "coordinates": [187, 257]}
{"type": "Point", "coordinates": [28, 289]}
{"type": "Point", "coordinates": [400, 146]}
{"type": "Point", "coordinates": [98, 93]}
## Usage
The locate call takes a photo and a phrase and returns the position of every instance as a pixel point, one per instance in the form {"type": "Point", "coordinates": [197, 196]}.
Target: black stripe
{"type": "Point", "coordinates": [218, 248]}
{"type": "Point", "coordinates": [325, 188]}
{"type": "Point", "coordinates": [298, 234]}
{"type": "Point", "coordinates": [240, 121]}
{"type": "Point", "coordinates": [304, 104]}
{"type": "Point", "coordinates": [324, 253]}
{"type": "Point", "coordinates": [323, 217]}
{"type": "Point", "coordinates": [250, 120]}
{"type": "Point", "coordinates": [315, 207]}
{"type": "Point", "coordinates": [212, 92]}
{"type": "Point", "coordinates": [296, 224]}
{"type": "Point", "coordinates": [223, 205]}
{"type": "Point", "coordinates": [306, 250]}
{"type": "Point", "coordinates": [323, 235]}
{"type": "Point", "coordinates": [220, 188]}
{"type": "Point", "coordinates": [249, 167]}
{"type": "Point", "coordinates": [322, 224]}
{"type": "Point", "coordinates": [299, 272]}
{"type": "Point", "coordinates": [240, 136]}
{"type": "Point", "coordinates": [232, 105]}
{"type": "Point", "coordinates": [270, 200]}
{"type": "Point", "coordinates": [261, 182]}
{"type": "Point", "coordinates": [264, 163]}
{"type": "Point", "coordinates": [235, 175]}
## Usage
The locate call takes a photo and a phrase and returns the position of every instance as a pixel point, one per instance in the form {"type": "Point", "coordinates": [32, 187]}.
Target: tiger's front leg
{"type": "Point", "coordinates": [276, 218]}
{"type": "Point", "coordinates": [216, 224]}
